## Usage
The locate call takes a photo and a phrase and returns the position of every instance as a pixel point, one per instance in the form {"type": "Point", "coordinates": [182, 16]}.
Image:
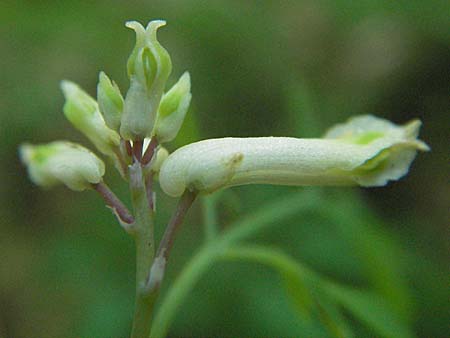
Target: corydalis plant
{"type": "Point", "coordinates": [365, 151]}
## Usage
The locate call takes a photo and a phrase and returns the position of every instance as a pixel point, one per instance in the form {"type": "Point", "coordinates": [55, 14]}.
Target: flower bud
{"type": "Point", "coordinates": [158, 160]}
{"type": "Point", "coordinates": [83, 112]}
{"type": "Point", "coordinates": [172, 110]}
{"type": "Point", "coordinates": [110, 101]}
{"type": "Point", "coordinates": [62, 162]}
{"type": "Point", "coordinates": [366, 151]}
{"type": "Point", "coordinates": [149, 66]}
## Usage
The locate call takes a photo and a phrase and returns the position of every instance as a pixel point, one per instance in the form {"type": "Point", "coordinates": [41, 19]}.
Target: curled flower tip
{"type": "Point", "coordinates": [145, 39]}
{"type": "Point", "coordinates": [365, 151]}
{"type": "Point", "coordinates": [390, 148]}
{"type": "Point", "coordinates": [62, 162]}
{"type": "Point", "coordinates": [152, 28]}
{"type": "Point", "coordinates": [412, 129]}
{"type": "Point", "coordinates": [368, 129]}
{"type": "Point", "coordinates": [139, 30]}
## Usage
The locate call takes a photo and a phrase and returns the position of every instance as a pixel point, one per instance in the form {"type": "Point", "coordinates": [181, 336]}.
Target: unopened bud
{"type": "Point", "coordinates": [62, 162]}
{"type": "Point", "coordinates": [172, 110]}
{"type": "Point", "coordinates": [83, 112]}
{"type": "Point", "coordinates": [158, 160]}
{"type": "Point", "coordinates": [110, 101]}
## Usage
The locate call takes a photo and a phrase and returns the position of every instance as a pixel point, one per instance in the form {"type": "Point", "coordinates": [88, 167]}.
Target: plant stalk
{"type": "Point", "coordinates": [114, 202]}
{"type": "Point", "coordinates": [209, 253]}
{"type": "Point", "coordinates": [145, 249]}
{"type": "Point", "coordinates": [177, 218]}
{"type": "Point", "coordinates": [159, 264]}
{"type": "Point", "coordinates": [149, 153]}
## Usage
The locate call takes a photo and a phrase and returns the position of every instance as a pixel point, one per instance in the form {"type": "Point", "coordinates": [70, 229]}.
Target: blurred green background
{"type": "Point", "coordinates": [277, 68]}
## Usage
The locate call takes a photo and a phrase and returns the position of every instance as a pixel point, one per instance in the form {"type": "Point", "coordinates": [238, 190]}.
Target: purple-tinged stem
{"type": "Point", "coordinates": [137, 150]}
{"type": "Point", "coordinates": [150, 152]}
{"type": "Point", "coordinates": [183, 206]}
{"type": "Point", "coordinates": [114, 202]}
{"type": "Point", "coordinates": [128, 148]}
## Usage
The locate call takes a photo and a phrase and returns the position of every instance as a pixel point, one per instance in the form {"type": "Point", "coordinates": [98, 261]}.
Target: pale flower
{"type": "Point", "coordinates": [172, 110]}
{"type": "Point", "coordinates": [62, 162]}
{"type": "Point", "coordinates": [84, 114]}
{"type": "Point", "coordinates": [366, 151]}
{"type": "Point", "coordinates": [149, 67]}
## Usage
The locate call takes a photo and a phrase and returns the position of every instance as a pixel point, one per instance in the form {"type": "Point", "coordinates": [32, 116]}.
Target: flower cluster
{"type": "Point", "coordinates": [366, 151]}
{"type": "Point", "coordinates": [113, 123]}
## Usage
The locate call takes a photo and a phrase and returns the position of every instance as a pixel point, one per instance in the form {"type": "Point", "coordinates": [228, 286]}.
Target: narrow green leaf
{"type": "Point", "coordinates": [297, 291]}
{"type": "Point", "coordinates": [271, 213]}
{"type": "Point", "coordinates": [295, 277]}
{"type": "Point", "coordinates": [210, 219]}
{"type": "Point", "coordinates": [371, 309]}
{"type": "Point", "coordinates": [380, 254]}
{"type": "Point", "coordinates": [332, 318]}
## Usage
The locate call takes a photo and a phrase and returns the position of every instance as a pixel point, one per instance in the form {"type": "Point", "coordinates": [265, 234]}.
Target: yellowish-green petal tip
{"type": "Point", "coordinates": [68, 88]}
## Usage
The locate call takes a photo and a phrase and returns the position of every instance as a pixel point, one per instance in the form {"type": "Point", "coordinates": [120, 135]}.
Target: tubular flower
{"type": "Point", "coordinates": [149, 66]}
{"type": "Point", "coordinates": [62, 162]}
{"type": "Point", "coordinates": [366, 151]}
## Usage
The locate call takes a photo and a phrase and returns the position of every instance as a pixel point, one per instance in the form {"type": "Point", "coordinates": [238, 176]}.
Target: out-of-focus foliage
{"type": "Point", "coordinates": [257, 68]}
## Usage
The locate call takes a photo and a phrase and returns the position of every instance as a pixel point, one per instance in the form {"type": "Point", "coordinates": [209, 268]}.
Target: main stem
{"type": "Point", "coordinates": [145, 249]}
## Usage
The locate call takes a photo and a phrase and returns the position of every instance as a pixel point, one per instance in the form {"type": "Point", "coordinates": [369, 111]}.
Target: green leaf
{"type": "Point", "coordinates": [295, 277]}
{"type": "Point", "coordinates": [272, 213]}
{"type": "Point", "coordinates": [380, 254]}
{"type": "Point", "coordinates": [370, 309]}
{"type": "Point", "coordinates": [210, 219]}
{"type": "Point", "coordinates": [296, 289]}
{"type": "Point", "coordinates": [333, 320]}
{"type": "Point", "coordinates": [258, 220]}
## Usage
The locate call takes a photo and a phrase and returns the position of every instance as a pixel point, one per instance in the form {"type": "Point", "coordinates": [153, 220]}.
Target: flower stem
{"type": "Point", "coordinates": [114, 202]}
{"type": "Point", "coordinates": [148, 155]}
{"type": "Point", "coordinates": [144, 252]}
{"type": "Point", "coordinates": [137, 150]}
{"type": "Point", "coordinates": [181, 287]}
{"type": "Point", "coordinates": [177, 218]}
{"type": "Point", "coordinates": [158, 268]}
{"type": "Point", "coordinates": [206, 256]}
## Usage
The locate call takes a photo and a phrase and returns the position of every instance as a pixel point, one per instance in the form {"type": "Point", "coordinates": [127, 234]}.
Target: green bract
{"type": "Point", "coordinates": [83, 112]}
{"type": "Point", "coordinates": [172, 110]}
{"type": "Point", "coordinates": [110, 101]}
{"type": "Point", "coordinates": [367, 151]}
{"type": "Point", "coordinates": [149, 66]}
{"type": "Point", "coordinates": [62, 162]}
